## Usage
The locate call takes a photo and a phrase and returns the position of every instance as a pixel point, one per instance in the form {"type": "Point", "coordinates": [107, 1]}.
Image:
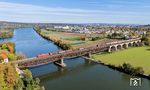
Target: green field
{"type": "Point", "coordinates": [74, 39]}
{"type": "Point", "coordinates": [137, 57]}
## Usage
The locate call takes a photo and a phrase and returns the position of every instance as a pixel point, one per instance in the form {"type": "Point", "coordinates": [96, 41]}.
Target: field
{"type": "Point", "coordinates": [74, 39]}
{"type": "Point", "coordinates": [137, 57]}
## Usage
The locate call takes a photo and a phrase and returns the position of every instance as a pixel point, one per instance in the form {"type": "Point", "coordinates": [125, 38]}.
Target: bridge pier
{"type": "Point", "coordinates": [109, 49]}
{"type": "Point", "coordinates": [127, 45]}
{"type": "Point", "coordinates": [60, 63]}
{"type": "Point", "coordinates": [89, 55]}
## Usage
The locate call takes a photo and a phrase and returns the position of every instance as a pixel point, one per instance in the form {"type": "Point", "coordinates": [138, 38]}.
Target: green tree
{"type": "Point", "coordinates": [4, 46]}
{"type": "Point", "coordinates": [139, 70]}
{"type": "Point", "coordinates": [12, 57]}
{"type": "Point", "coordinates": [146, 39]}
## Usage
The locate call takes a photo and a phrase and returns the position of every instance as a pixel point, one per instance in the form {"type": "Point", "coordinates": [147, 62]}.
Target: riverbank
{"type": "Point", "coordinates": [137, 59]}
{"type": "Point", "coordinates": [6, 33]}
{"type": "Point", "coordinates": [56, 41]}
{"type": "Point", "coordinates": [117, 68]}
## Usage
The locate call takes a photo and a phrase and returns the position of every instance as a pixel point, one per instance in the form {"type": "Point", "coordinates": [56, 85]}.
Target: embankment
{"type": "Point", "coordinates": [58, 42]}
{"type": "Point", "coordinates": [118, 68]}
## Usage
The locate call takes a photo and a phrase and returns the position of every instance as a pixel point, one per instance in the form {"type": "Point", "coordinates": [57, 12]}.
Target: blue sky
{"type": "Point", "coordinates": [76, 11]}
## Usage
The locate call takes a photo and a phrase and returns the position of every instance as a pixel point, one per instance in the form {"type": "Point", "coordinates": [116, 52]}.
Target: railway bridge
{"type": "Point", "coordinates": [58, 57]}
{"type": "Point", "coordinates": [114, 46]}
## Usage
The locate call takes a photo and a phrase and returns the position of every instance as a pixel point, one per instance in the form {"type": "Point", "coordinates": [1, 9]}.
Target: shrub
{"type": "Point", "coordinates": [139, 70]}
{"type": "Point", "coordinates": [132, 70]}
{"type": "Point", "coordinates": [141, 44]}
{"type": "Point", "coordinates": [12, 57]}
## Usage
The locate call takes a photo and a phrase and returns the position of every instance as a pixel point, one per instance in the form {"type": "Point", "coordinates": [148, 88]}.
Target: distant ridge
{"type": "Point", "coordinates": [97, 24]}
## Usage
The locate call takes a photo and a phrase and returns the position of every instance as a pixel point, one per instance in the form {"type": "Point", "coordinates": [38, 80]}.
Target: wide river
{"type": "Point", "coordinates": [78, 75]}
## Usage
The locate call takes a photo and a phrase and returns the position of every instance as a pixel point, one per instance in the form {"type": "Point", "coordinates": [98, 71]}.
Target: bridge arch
{"type": "Point", "coordinates": [135, 43]}
{"type": "Point", "coordinates": [112, 48]}
{"type": "Point", "coordinates": [119, 46]}
{"type": "Point", "coordinates": [125, 46]}
{"type": "Point", "coordinates": [130, 44]}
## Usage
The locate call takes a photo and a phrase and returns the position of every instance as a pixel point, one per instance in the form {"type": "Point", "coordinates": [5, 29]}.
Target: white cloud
{"type": "Point", "coordinates": [34, 13]}
{"type": "Point", "coordinates": [33, 9]}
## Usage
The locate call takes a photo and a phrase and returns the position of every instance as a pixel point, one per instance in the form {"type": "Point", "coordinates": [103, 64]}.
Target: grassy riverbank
{"type": "Point", "coordinates": [137, 57]}
{"type": "Point", "coordinates": [73, 40]}
{"type": "Point", "coordinates": [58, 42]}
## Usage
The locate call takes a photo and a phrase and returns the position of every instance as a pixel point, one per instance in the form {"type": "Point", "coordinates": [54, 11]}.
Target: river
{"type": "Point", "coordinates": [79, 73]}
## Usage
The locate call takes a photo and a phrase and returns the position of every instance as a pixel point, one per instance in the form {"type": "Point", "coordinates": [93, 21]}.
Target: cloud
{"type": "Point", "coordinates": [33, 9]}
{"type": "Point", "coordinates": [122, 4]}
{"type": "Point", "coordinates": [35, 13]}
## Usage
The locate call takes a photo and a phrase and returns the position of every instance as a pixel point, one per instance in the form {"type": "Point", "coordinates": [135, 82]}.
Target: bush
{"type": "Point", "coordinates": [146, 39]}
{"type": "Point", "coordinates": [141, 44]}
{"type": "Point", "coordinates": [63, 45]}
{"type": "Point", "coordinates": [30, 83]}
{"type": "Point", "coordinates": [12, 57]}
{"type": "Point", "coordinates": [83, 38]}
{"type": "Point", "coordinates": [9, 46]}
{"type": "Point", "coordinates": [132, 70]}
{"type": "Point", "coordinates": [95, 38]}
{"type": "Point", "coordinates": [139, 70]}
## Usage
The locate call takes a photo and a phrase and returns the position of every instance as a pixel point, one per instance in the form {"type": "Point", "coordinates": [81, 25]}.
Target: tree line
{"type": "Point", "coordinates": [6, 34]}
{"type": "Point", "coordinates": [10, 79]}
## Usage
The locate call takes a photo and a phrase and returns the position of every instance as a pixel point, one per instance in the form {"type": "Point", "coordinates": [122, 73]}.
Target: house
{"type": "Point", "coordinates": [4, 57]}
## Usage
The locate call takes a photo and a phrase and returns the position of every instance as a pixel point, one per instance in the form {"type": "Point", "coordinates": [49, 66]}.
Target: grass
{"type": "Point", "coordinates": [70, 38]}
{"type": "Point", "coordinates": [77, 43]}
{"type": "Point", "coordinates": [73, 39]}
{"type": "Point", "coordinates": [137, 57]}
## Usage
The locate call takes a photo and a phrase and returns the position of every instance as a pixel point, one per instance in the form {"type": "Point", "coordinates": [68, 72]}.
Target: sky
{"type": "Point", "coordinates": [76, 11]}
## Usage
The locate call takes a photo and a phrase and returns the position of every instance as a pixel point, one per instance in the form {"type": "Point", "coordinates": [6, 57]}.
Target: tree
{"type": "Point", "coordinates": [12, 75]}
{"type": "Point", "coordinates": [132, 70]}
{"type": "Point", "coordinates": [127, 67]}
{"type": "Point", "coordinates": [3, 85]}
{"type": "Point", "coordinates": [12, 57]}
{"type": "Point", "coordinates": [139, 70]}
{"type": "Point", "coordinates": [4, 46]}
{"type": "Point", "coordinates": [1, 59]}
{"type": "Point", "coordinates": [83, 38]}
{"type": "Point", "coordinates": [146, 39]}
{"type": "Point", "coordinates": [11, 49]}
